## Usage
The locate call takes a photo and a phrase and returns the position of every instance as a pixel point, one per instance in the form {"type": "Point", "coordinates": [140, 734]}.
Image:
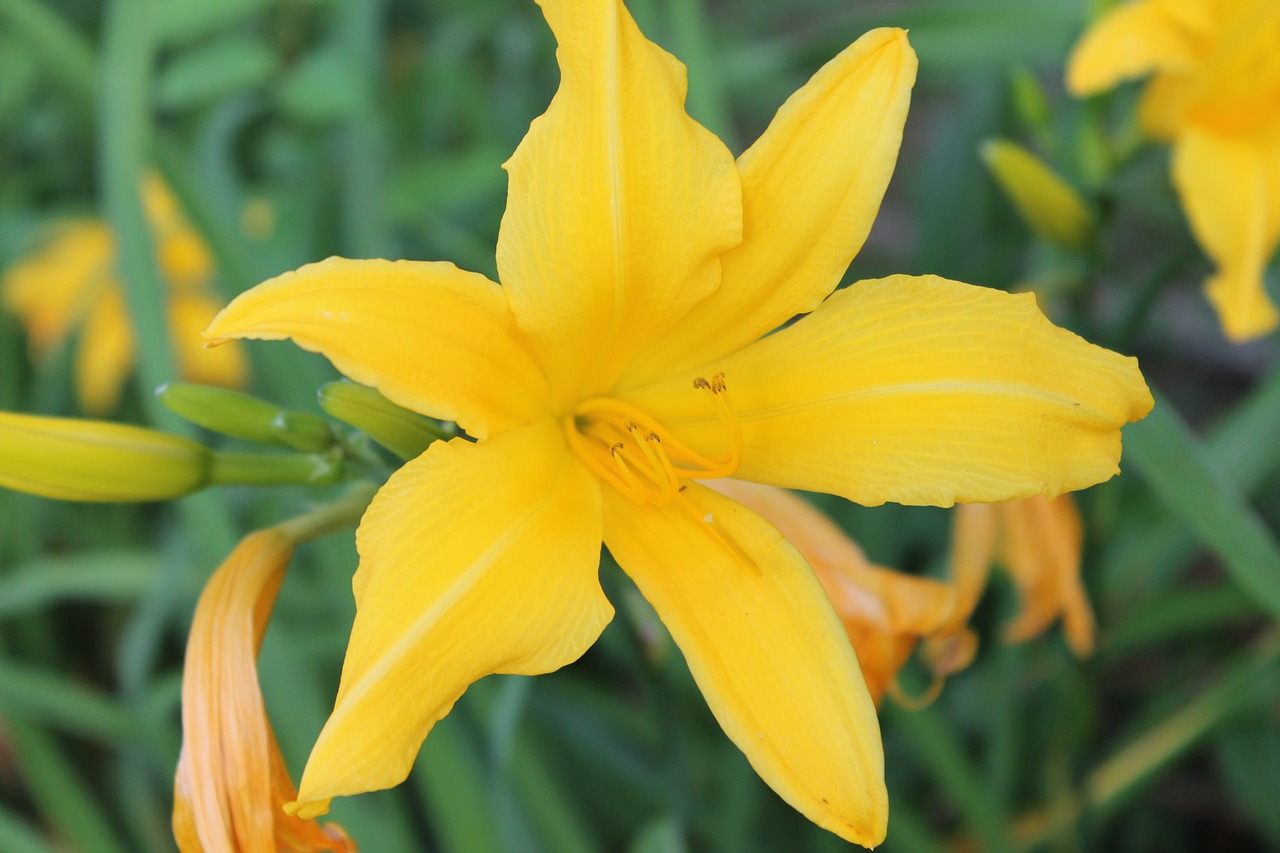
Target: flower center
{"type": "Point", "coordinates": [641, 458]}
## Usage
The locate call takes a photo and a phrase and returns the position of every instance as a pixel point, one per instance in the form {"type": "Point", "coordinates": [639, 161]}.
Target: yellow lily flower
{"type": "Point", "coordinates": [1215, 95]}
{"type": "Point", "coordinates": [885, 612]}
{"type": "Point", "coordinates": [71, 282]}
{"type": "Point", "coordinates": [622, 359]}
{"type": "Point", "coordinates": [231, 781]}
{"type": "Point", "coordinates": [1038, 542]}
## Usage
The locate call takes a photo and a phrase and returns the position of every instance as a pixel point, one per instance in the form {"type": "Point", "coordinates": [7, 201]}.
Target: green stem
{"type": "Point", "coordinates": [60, 49]}
{"type": "Point", "coordinates": [1125, 771]}
{"type": "Point", "coordinates": [274, 469]}
{"type": "Point", "coordinates": [1129, 767]}
{"type": "Point", "coordinates": [124, 126]}
{"type": "Point", "coordinates": [939, 747]}
{"type": "Point", "coordinates": [341, 514]}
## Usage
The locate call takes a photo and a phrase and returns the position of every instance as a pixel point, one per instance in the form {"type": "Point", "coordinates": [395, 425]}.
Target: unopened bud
{"type": "Point", "coordinates": [1029, 101]}
{"type": "Point", "coordinates": [81, 460]}
{"type": "Point", "coordinates": [1047, 203]}
{"type": "Point", "coordinates": [242, 416]}
{"type": "Point", "coordinates": [406, 434]}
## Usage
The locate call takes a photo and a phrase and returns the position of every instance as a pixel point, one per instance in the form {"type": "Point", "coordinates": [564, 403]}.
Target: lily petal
{"type": "Point", "coordinates": [105, 356]}
{"type": "Point", "coordinates": [225, 366]}
{"type": "Point", "coordinates": [917, 390]}
{"type": "Point", "coordinates": [619, 204]}
{"type": "Point", "coordinates": [811, 186]}
{"type": "Point", "coordinates": [1230, 188]}
{"type": "Point", "coordinates": [231, 779]}
{"type": "Point", "coordinates": [1130, 41]}
{"type": "Point", "coordinates": [475, 559]}
{"type": "Point", "coordinates": [1166, 99]}
{"type": "Point", "coordinates": [766, 649]}
{"type": "Point", "coordinates": [975, 531]}
{"type": "Point", "coordinates": [429, 336]}
{"type": "Point", "coordinates": [53, 288]}
{"type": "Point", "coordinates": [1040, 550]}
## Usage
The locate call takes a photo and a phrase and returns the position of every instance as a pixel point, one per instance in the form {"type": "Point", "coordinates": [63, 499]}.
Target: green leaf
{"type": "Point", "coordinates": [215, 71]}
{"type": "Point", "coordinates": [99, 577]}
{"type": "Point", "coordinates": [1197, 489]}
{"type": "Point", "coordinates": [19, 836]}
{"type": "Point", "coordinates": [52, 700]}
{"type": "Point", "coordinates": [178, 22]}
{"type": "Point", "coordinates": [662, 835]}
{"type": "Point", "coordinates": [59, 791]}
{"type": "Point", "coordinates": [323, 87]}
{"type": "Point", "coordinates": [1249, 760]}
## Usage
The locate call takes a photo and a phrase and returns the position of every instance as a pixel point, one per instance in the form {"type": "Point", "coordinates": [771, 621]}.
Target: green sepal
{"type": "Point", "coordinates": [276, 469]}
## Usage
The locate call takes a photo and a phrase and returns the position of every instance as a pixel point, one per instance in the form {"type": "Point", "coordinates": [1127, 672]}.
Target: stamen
{"type": "Point", "coordinates": [607, 426]}
{"type": "Point", "coordinates": [585, 452]}
{"type": "Point", "coordinates": [614, 410]}
{"type": "Point", "coordinates": [616, 452]}
{"type": "Point", "coordinates": [920, 702]}
{"type": "Point", "coordinates": [709, 523]}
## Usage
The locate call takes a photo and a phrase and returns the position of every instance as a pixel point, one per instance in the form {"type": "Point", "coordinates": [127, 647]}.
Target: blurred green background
{"type": "Point", "coordinates": [296, 129]}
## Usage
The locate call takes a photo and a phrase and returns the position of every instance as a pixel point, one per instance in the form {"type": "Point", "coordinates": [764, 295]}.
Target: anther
{"type": "Point", "coordinates": [653, 436]}
{"type": "Point", "coordinates": [616, 448]}
{"type": "Point", "coordinates": [717, 383]}
{"type": "Point", "coordinates": [702, 384]}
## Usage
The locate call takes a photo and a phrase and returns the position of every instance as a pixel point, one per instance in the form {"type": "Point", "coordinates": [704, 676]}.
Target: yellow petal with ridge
{"type": "Point", "coordinates": [916, 390]}
{"type": "Point", "coordinates": [619, 204]}
{"type": "Point", "coordinates": [811, 187]}
{"type": "Point", "coordinates": [1130, 41]}
{"type": "Point", "coordinates": [429, 336]}
{"type": "Point", "coordinates": [768, 652]}
{"type": "Point", "coordinates": [1230, 189]}
{"type": "Point", "coordinates": [474, 559]}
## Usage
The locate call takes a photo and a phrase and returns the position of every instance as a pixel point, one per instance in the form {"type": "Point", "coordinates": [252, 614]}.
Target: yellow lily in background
{"type": "Point", "coordinates": [231, 781]}
{"type": "Point", "coordinates": [1038, 542]}
{"type": "Point", "coordinates": [886, 613]}
{"type": "Point", "coordinates": [71, 282]}
{"type": "Point", "coordinates": [1215, 95]}
{"type": "Point", "coordinates": [622, 360]}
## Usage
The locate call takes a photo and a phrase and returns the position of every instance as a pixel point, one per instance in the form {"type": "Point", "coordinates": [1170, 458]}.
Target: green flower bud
{"type": "Point", "coordinates": [1047, 203]}
{"type": "Point", "coordinates": [404, 433]}
{"type": "Point", "coordinates": [242, 416]}
{"type": "Point", "coordinates": [81, 460]}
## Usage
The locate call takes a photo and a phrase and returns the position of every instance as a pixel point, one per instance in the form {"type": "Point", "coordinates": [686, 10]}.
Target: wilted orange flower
{"type": "Point", "coordinates": [71, 283]}
{"type": "Point", "coordinates": [231, 782]}
{"type": "Point", "coordinates": [885, 612]}
{"type": "Point", "coordinates": [1037, 541]}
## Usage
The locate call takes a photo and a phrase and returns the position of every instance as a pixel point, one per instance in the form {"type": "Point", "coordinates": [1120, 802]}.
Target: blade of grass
{"type": "Point", "coordinates": [1148, 554]}
{"type": "Point", "coordinates": [51, 700]}
{"type": "Point", "coordinates": [58, 790]}
{"type": "Point", "coordinates": [102, 577]}
{"type": "Point", "coordinates": [1120, 777]}
{"type": "Point", "coordinates": [706, 101]}
{"type": "Point", "coordinates": [937, 746]}
{"type": "Point", "coordinates": [1194, 487]}
{"type": "Point", "coordinates": [66, 56]}
{"type": "Point", "coordinates": [124, 128]}
{"type": "Point", "coordinates": [19, 836]}
{"type": "Point", "coordinates": [454, 786]}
